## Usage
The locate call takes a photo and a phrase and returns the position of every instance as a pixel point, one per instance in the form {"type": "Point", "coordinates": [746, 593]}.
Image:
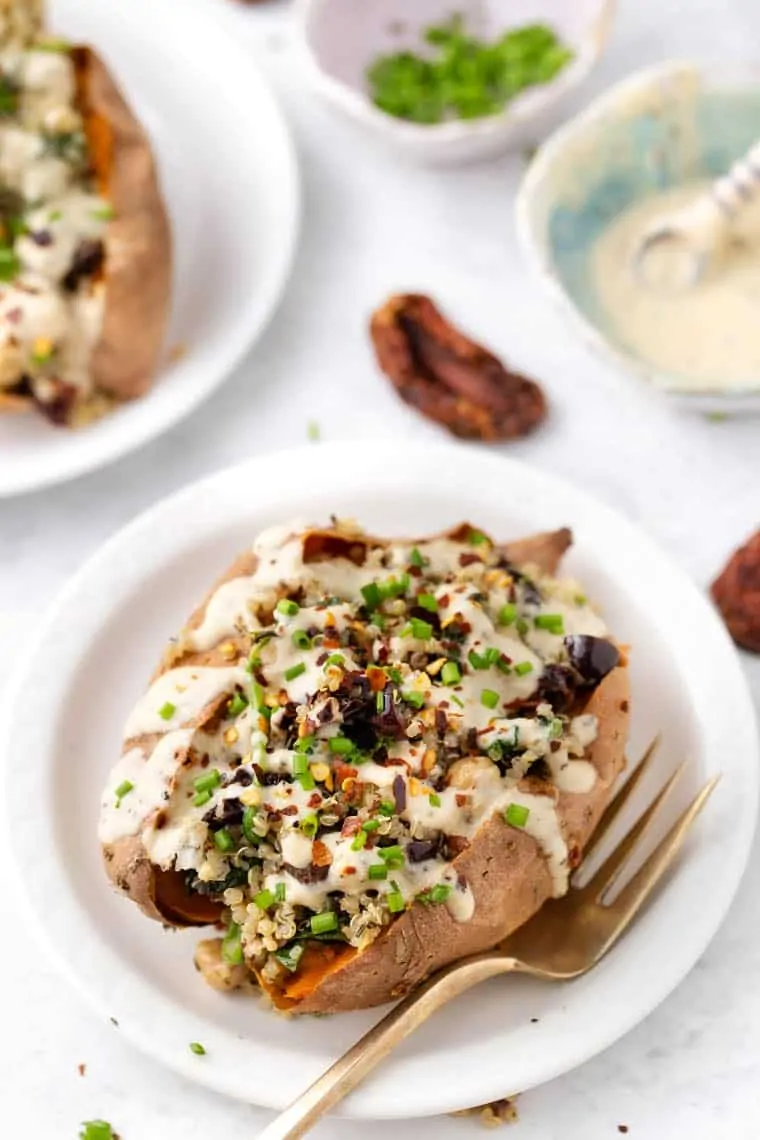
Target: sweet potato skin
{"type": "Point", "coordinates": [506, 872]}
{"type": "Point", "coordinates": [503, 865]}
{"type": "Point", "coordinates": [138, 265]}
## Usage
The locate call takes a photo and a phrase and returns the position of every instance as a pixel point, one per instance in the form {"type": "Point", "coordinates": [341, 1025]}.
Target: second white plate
{"type": "Point", "coordinates": [230, 181]}
{"type": "Point", "coordinates": [105, 635]}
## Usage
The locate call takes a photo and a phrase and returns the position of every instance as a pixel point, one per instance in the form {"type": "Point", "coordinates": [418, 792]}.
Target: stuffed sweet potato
{"type": "Point", "coordinates": [367, 758]}
{"type": "Point", "coordinates": [85, 245]}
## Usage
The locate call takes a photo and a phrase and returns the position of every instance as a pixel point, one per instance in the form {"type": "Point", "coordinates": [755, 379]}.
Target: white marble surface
{"type": "Point", "coordinates": [372, 226]}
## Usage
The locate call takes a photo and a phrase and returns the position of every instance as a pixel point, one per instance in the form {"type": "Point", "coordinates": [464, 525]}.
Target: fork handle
{"type": "Point", "coordinates": [347, 1072]}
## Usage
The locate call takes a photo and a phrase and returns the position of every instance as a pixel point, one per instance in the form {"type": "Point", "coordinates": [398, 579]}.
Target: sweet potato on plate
{"type": "Point", "coordinates": [85, 242]}
{"type": "Point", "coordinates": [368, 758]}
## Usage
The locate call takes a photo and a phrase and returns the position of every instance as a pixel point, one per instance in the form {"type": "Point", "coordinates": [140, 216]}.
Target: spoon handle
{"type": "Point", "coordinates": [738, 187]}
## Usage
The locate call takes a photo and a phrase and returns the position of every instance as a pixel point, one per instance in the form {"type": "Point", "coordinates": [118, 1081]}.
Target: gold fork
{"type": "Point", "coordinates": [565, 939]}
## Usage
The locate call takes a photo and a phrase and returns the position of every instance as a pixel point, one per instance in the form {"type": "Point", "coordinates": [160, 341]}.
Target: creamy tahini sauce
{"type": "Point", "coordinates": [47, 332]}
{"type": "Point", "coordinates": [708, 334]}
{"type": "Point", "coordinates": [469, 596]}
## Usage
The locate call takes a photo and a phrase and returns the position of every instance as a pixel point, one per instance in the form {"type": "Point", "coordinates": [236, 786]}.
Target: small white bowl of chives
{"type": "Point", "coordinates": [451, 82]}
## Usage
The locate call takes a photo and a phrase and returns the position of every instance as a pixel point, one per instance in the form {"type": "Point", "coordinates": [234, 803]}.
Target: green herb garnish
{"type": "Point", "coordinates": [467, 78]}
{"type": "Point", "coordinates": [232, 947]}
{"type": "Point", "coordinates": [287, 608]}
{"type": "Point", "coordinates": [516, 815]}
{"type": "Point", "coordinates": [324, 922]}
{"type": "Point", "coordinates": [552, 623]}
{"type": "Point", "coordinates": [450, 674]}
{"type": "Point", "coordinates": [197, 1048]}
{"type": "Point", "coordinates": [167, 710]}
{"type": "Point", "coordinates": [295, 671]}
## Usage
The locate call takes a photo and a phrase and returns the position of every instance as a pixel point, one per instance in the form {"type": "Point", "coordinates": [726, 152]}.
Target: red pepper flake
{"type": "Point", "coordinates": [291, 809]}
{"type": "Point", "coordinates": [467, 559]}
{"type": "Point", "coordinates": [461, 799]}
{"type": "Point", "coordinates": [377, 678]}
{"type": "Point", "coordinates": [443, 601]}
{"type": "Point", "coordinates": [314, 800]}
{"type": "Point", "coordinates": [351, 826]}
{"type": "Point", "coordinates": [81, 1069]}
{"type": "Point", "coordinates": [344, 772]}
{"type": "Point", "coordinates": [348, 871]}
{"type": "Point", "coordinates": [332, 643]}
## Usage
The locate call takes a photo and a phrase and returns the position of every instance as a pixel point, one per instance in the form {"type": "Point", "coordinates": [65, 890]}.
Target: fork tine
{"type": "Point", "coordinates": [616, 805]}
{"type": "Point", "coordinates": [634, 894]}
{"type": "Point", "coordinates": [604, 878]}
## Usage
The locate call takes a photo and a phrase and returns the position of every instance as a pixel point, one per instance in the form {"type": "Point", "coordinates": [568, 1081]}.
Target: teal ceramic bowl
{"type": "Point", "coordinates": [671, 124]}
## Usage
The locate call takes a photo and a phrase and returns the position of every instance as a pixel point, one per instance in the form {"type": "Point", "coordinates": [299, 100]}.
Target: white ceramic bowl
{"type": "Point", "coordinates": [643, 135]}
{"type": "Point", "coordinates": [340, 38]}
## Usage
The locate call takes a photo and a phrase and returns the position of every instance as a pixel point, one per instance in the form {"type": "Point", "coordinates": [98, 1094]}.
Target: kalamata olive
{"type": "Point", "coordinates": [307, 875]}
{"type": "Point", "coordinates": [399, 794]}
{"type": "Point", "coordinates": [557, 685]}
{"type": "Point", "coordinates": [421, 849]}
{"type": "Point", "coordinates": [230, 816]}
{"type": "Point", "coordinates": [593, 657]}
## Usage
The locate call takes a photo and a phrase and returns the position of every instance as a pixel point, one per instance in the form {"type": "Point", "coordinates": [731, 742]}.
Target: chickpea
{"type": "Point", "coordinates": [463, 773]}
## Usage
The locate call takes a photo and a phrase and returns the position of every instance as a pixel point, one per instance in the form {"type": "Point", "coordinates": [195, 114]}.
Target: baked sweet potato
{"type": "Point", "coordinates": [368, 758]}
{"type": "Point", "coordinates": [85, 242]}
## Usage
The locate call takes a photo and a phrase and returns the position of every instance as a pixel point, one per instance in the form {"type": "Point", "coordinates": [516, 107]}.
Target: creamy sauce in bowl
{"type": "Point", "coordinates": [706, 335]}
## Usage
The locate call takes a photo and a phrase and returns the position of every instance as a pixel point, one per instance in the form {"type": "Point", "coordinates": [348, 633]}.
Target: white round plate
{"type": "Point", "coordinates": [230, 182]}
{"type": "Point", "coordinates": [106, 633]}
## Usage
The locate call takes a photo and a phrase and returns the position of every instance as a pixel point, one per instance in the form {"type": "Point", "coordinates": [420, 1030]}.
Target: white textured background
{"type": "Point", "coordinates": [372, 226]}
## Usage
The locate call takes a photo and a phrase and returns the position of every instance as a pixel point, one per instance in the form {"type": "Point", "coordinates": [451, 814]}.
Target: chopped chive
{"type": "Point", "coordinates": [372, 595]}
{"type": "Point", "coordinates": [223, 841]}
{"type": "Point", "coordinates": [395, 901]}
{"type": "Point", "coordinates": [310, 826]}
{"type": "Point", "coordinates": [450, 674]}
{"type": "Point", "coordinates": [249, 817]}
{"type": "Point", "coordinates": [377, 871]}
{"type": "Point", "coordinates": [503, 666]}
{"type": "Point", "coordinates": [416, 559]}
{"type": "Point", "coordinates": [393, 855]}
{"type": "Point", "coordinates": [257, 698]}
{"type": "Point", "coordinates": [387, 809]}
{"type": "Point", "coordinates": [477, 538]}
{"type": "Point", "coordinates": [301, 639]}
{"type": "Point", "coordinates": [167, 711]}
{"type": "Point", "coordinates": [237, 704]}
{"type": "Point", "coordinates": [232, 947]}
{"type": "Point", "coordinates": [197, 1048]}
{"type": "Point", "coordinates": [359, 841]}
{"type": "Point", "coordinates": [104, 213]}
{"type": "Point", "coordinates": [201, 799]}
{"type": "Point", "coordinates": [428, 602]}
{"type": "Point", "coordinates": [580, 600]}
{"type": "Point", "coordinates": [477, 660]}
{"type": "Point", "coordinates": [335, 659]}
{"type": "Point", "coordinates": [435, 895]}
{"type": "Point", "coordinates": [456, 700]}
{"type": "Point", "coordinates": [555, 728]}
{"type": "Point", "coordinates": [434, 800]}
{"type": "Point", "coordinates": [307, 781]}
{"type": "Point", "coordinates": [96, 1129]}
{"type": "Point", "coordinates": [516, 815]}
{"type": "Point", "coordinates": [323, 923]}
{"type": "Point", "coordinates": [552, 623]}
{"type": "Point", "coordinates": [395, 675]}
{"type": "Point", "coordinates": [312, 431]}
{"type": "Point", "coordinates": [341, 744]}
{"type": "Point", "coordinates": [489, 698]}
{"type": "Point", "coordinates": [370, 825]}
{"type": "Point", "coordinates": [523, 667]}
{"type": "Point", "coordinates": [264, 899]}
{"type": "Point", "coordinates": [287, 607]}
{"type": "Point", "coordinates": [208, 781]}
{"type": "Point", "coordinates": [124, 788]}
{"type": "Point", "coordinates": [379, 701]}
{"type": "Point", "coordinates": [521, 626]}
{"type": "Point", "coordinates": [492, 655]}
{"type": "Point", "coordinates": [280, 893]}
{"type": "Point", "coordinates": [415, 699]}
{"type": "Point", "coordinates": [396, 587]}
{"type": "Point", "coordinates": [306, 743]}
{"type": "Point", "coordinates": [507, 614]}
{"type": "Point", "coordinates": [377, 619]}
{"type": "Point", "coordinates": [418, 628]}
{"type": "Point", "coordinates": [300, 763]}
{"type": "Point", "coordinates": [295, 671]}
